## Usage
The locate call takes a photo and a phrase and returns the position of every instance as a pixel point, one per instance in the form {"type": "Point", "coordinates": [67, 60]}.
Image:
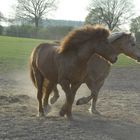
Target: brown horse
{"type": "Point", "coordinates": [98, 68]}
{"type": "Point", "coordinates": [66, 64]}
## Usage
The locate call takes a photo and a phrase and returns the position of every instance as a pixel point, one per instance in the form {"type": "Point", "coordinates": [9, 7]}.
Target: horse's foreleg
{"type": "Point", "coordinates": [92, 108]}
{"type": "Point", "coordinates": [92, 97]}
{"type": "Point", "coordinates": [94, 86]}
{"type": "Point", "coordinates": [55, 97]}
{"type": "Point", "coordinates": [95, 93]}
{"type": "Point", "coordinates": [84, 100]}
{"type": "Point", "coordinates": [70, 94]}
{"type": "Point", "coordinates": [49, 87]}
{"type": "Point", "coordinates": [66, 87]}
{"type": "Point", "coordinates": [70, 100]}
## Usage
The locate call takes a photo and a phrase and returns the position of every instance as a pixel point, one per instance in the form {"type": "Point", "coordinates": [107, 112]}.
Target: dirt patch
{"type": "Point", "coordinates": [119, 105]}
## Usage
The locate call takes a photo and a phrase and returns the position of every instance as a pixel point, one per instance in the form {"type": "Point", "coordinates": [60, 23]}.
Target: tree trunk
{"type": "Point", "coordinates": [36, 22]}
{"type": "Point", "coordinates": [36, 26]}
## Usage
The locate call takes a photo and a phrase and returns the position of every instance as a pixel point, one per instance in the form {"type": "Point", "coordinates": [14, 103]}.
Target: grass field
{"type": "Point", "coordinates": [14, 53]}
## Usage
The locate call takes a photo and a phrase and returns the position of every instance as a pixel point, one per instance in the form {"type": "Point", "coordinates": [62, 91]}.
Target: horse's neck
{"type": "Point", "coordinates": [116, 46]}
{"type": "Point", "coordinates": [85, 52]}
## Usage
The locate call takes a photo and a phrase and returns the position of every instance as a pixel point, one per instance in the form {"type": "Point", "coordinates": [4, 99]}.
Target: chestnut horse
{"type": "Point", "coordinates": [98, 68]}
{"type": "Point", "coordinates": [66, 64]}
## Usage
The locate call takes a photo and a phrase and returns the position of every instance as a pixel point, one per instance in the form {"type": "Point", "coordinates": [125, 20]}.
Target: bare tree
{"type": "Point", "coordinates": [34, 10]}
{"type": "Point", "coordinates": [1, 17]}
{"type": "Point", "coordinates": [135, 24]}
{"type": "Point", "coordinates": [111, 13]}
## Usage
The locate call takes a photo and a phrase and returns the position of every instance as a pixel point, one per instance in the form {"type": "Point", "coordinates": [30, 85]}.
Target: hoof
{"type": "Point", "coordinates": [40, 114]}
{"type": "Point", "coordinates": [54, 99]}
{"type": "Point", "coordinates": [47, 109]}
{"type": "Point", "coordinates": [94, 111]}
{"type": "Point", "coordinates": [81, 101]}
{"type": "Point", "coordinates": [70, 118]}
{"type": "Point", "coordinates": [62, 112]}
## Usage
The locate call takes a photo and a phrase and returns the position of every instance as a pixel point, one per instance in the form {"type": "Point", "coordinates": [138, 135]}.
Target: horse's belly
{"type": "Point", "coordinates": [78, 76]}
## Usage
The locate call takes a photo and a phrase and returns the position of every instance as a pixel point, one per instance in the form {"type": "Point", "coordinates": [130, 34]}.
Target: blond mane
{"type": "Point", "coordinates": [75, 38]}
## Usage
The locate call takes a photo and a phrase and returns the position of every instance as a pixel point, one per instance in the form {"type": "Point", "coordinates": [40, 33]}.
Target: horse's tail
{"type": "Point", "coordinates": [34, 80]}
{"type": "Point", "coordinates": [32, 65]}
{"type": "Point", "coordinates": [32, 76]}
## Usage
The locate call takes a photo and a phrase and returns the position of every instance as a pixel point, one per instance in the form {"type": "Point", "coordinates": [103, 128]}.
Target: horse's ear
{"type": "Point", "coordinates": [127, 35]}
{"type": "Point", "coordinates": [133, 34]}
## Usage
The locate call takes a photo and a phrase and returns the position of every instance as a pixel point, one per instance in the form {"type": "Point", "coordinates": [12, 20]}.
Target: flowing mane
{"type": "Point", "coordinates": [79, 36]}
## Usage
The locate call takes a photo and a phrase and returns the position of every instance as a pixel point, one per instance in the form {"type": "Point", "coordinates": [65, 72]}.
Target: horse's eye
{"type": "Point", "coordinates": [133, 44]}
{"type": "Point", "coordinates": [107, 42]}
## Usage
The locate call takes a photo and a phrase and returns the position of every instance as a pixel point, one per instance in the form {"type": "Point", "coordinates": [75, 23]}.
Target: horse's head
{"type": "Point", "coordinates": [126, 43]}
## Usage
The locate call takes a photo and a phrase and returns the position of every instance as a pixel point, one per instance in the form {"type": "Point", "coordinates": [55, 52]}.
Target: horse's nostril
{"type": "Point", "coordinates": [133, 44]}
{"type": "Point", "coordinates": [114, 60]}
{"type": "Point", "coordinates": [138, 59]}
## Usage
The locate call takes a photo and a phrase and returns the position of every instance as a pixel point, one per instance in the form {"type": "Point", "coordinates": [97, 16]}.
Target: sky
{"type": "Point", "coordinates": [67, 9]}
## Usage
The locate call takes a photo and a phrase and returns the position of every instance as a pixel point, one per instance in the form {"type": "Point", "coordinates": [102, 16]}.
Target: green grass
{"type": "Point", "coordinates": [124, 61]}
{"type": "Point", "coordinates": [14, 53]}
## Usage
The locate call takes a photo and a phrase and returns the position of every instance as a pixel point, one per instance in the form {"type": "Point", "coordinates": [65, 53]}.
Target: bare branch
{"type": "Point", "coordinates": [112, 13]}
{"type": "Point", "coordinates": [35, 9]}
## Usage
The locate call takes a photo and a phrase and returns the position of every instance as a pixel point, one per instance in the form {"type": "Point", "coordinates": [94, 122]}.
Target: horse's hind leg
{"type": "Point", "coordinates": [39, 82]}
{"type": "Point", "coordinates": [55, 96]}
{"type": "Point", "coordinates": [49, 87]}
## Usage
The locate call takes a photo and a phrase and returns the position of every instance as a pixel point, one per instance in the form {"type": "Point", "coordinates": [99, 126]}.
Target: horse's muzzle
{"type": "Point", "coordinates": [114, 60]}
{"type": "Point", "coordinates": [138, 59]}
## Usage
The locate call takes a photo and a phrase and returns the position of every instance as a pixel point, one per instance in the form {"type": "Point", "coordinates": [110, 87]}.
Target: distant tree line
{"type": "Point", "coordinates": [31, 18]}
{"type": "Point", "coordinates": [28, 19]}
{"type": "Point", "coordinates": [29, 31]}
